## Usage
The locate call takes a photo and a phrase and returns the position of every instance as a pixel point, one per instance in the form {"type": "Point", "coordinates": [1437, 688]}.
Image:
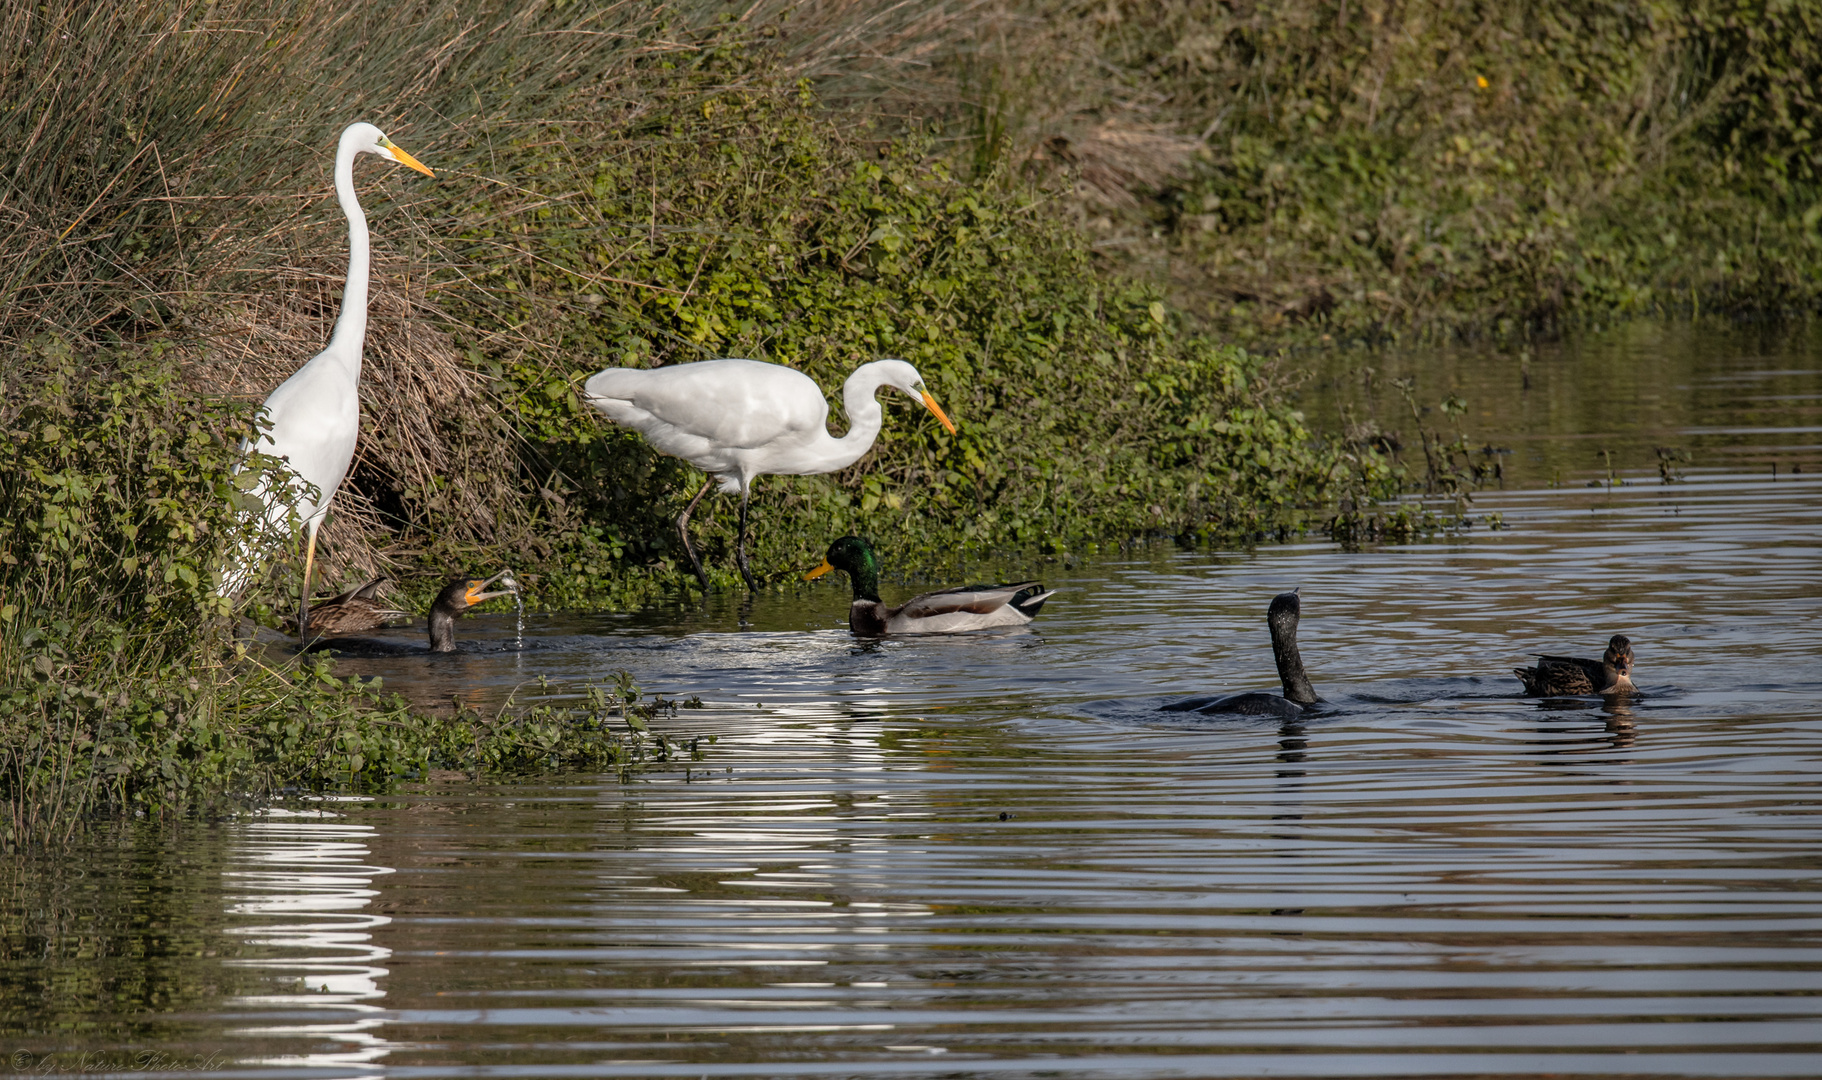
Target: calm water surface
{"type": "Point", "coordinates": [991, 856]}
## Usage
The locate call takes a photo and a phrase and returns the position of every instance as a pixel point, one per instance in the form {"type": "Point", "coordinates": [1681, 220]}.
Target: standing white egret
{"type": "Point", "coordinates": [739, 419]}
{"type": "Point", "coordinates": [315, 415]}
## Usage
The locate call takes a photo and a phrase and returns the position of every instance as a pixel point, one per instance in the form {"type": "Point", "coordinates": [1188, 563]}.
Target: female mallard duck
{"type": "Point", "coordinates": [1569, 676]}
{"type": "Point", "coordinates": [353, 612]}
{"type": "Point", "coordinates": [951, 611]}
{"type": "Point", "coordinates": [457, 597]}
{"type": "Point", "coordinates": [1299, 695]}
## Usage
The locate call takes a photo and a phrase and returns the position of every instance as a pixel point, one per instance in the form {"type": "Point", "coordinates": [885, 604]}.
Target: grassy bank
{"type": "Point", "coordinates": [125, 692]}
{"type": "Point", "coordinates": [1087, 412]}
{"type": "Point", "coordinates": [625, 185]}
{"type": "Point", "coordinates": [1375, 170]}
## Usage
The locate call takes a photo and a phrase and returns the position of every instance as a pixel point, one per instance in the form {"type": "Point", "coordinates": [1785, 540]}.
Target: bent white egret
{"type": "Point", "coordinates": [947, 611]}
{"type": "Point", "coordinates": [739, 419]}
{"type": "Point", "coordinates": [315, 415]}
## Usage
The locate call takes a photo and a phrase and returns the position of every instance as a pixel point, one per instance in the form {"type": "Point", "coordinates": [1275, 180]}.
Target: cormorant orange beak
{"type": "Point", "coordinates": [476, 596]}
{"type": "Point", "coordinates": [825, 567]}
{"type": "Point", "coordinates": [930, 403]}
{"type": "Point", "coordinates": [400, 156]}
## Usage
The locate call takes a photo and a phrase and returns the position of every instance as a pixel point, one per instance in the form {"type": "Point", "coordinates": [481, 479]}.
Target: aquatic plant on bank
{"type": "Point", "coordinates": [123, 688]}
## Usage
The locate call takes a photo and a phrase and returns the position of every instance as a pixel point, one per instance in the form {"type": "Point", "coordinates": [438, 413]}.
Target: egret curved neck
{"type": "Point", "coordinates": [351, 325]}
{"type": "Point", "coordinates": [864, 416]}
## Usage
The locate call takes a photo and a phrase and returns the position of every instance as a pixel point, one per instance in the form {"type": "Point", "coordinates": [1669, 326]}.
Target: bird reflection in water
{"type": "Point", "coordinates": [301, 886]}
{"type": "Point", "coordinates": [1621, 731]}
{"type": "Point", "coordinates": [1573, 735]}
{"type": "Point", "coordinates": [1293, 750]}
{"type": "Point", "coordinates": [1293, 746]}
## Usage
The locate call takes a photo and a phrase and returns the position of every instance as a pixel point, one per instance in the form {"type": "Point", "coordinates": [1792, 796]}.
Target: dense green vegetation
{"type": "Point", "coordinates": [125, 693]}
{"type": "Point", "coordinates": [1374, 168]}
{"type": "Point", "coordinates": [1065, 213]}
{"type": "Point", "coordinates": [1086, 412]}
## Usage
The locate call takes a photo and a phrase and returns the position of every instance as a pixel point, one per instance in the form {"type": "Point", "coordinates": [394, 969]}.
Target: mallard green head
{"type": "Point", "coordinates": [852, 554]}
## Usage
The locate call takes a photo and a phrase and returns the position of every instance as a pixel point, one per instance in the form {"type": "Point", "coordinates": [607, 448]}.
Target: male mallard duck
{"type": "Point", "coordinates": [951, 611]}
{"type": "Point", "coordinates": [1299, 695]}
{"type": "Point", "coordinates": [457, 597]}
{"type": "Point", "coordinates": [353, 612]}
{"type": "Point", "coordinates": [1568, 676]}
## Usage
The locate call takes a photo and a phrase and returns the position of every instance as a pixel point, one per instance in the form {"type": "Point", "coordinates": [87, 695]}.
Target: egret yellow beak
{"type": "Point", "coordinates": [819, 571]}
{"type": "Point", "coordinates": [930, 403]}
{"type": "Point", "coordinates": [400, 156]}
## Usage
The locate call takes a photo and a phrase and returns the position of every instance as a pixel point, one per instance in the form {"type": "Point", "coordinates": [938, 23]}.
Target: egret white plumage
{"type": "Point", "coordinates": [315, 415]}
{"type": "Point", "coordinates": [739, 419]}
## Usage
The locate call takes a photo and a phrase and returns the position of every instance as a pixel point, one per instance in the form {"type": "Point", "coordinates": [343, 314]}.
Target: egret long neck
{"type": "Point", "coordinates": [864, 416]}
{"type": "Point", "coordinates": [351, 325]}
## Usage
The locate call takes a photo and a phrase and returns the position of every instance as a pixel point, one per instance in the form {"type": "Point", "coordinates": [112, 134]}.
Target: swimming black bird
{"type": "Point", "coordinates": [1570, 676]}
{"type": "Point", "coordinates": [950, 611]}
{"type": "Point", "coordinates": [1299, 695]}
{"type": "Point", "coordinates": [457, 597]}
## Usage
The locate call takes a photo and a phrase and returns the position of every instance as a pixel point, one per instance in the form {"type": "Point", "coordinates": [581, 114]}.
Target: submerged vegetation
{"type": "Point", "coordinates": [1064, 213]}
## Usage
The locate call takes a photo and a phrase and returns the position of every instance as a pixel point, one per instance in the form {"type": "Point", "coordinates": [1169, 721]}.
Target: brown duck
{"type": "Point", "coordinates": [353, 612]}
{"type": "Point", "coordinates": [359, 610]}
{"type": "Point", "coordinates": [1566, 676]}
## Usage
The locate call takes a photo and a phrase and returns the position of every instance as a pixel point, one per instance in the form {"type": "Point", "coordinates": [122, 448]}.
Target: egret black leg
{"type": "Point", "coordinates": [740, 544]}
{"type": "Point", "coordinates": [683, 530]}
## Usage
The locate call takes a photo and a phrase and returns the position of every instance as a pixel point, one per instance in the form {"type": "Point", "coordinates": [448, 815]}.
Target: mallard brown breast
{"type": "Point", "coordinates": [1570, 676]}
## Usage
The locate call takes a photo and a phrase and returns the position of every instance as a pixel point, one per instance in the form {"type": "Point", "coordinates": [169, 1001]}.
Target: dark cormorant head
{"type": "Point", "coordinates": [457, 597]}
{"type": "Point", "coordinates": [1283, 614]}
{"type": "Point", "coordinates": [463, 593]}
